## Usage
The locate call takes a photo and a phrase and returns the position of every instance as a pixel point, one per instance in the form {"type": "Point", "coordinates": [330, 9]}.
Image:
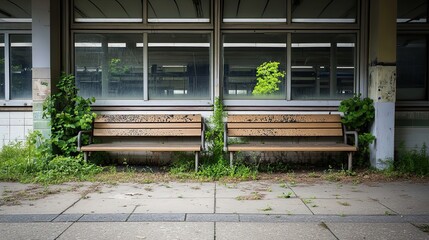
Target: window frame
{"type": "Point", "coordinates": [7, 101]}
{"type": "Point", "coordinates": [146, 101]}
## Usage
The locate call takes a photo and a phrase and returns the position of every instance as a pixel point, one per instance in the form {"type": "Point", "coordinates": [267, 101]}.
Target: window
{"type": "Point", "coordinates": [412, 11]}
{"type": "Point", "coordinates": [412, 67]}
{"type": "Point", "coordinates": [174, 11]}
{"type": "Point", "coordinates": [15, 67]}
{"type": "Point", "coordinates": [108, 11]}
{"type": "Point", "coordinates": [323, 66]}
{"type": "Point", "coordinates": [324, 11]}
{"type": "Point", "coordinates": [179, 66]}
{"type": "Point", "coordinates": [254, 11]}
{"type": "Point", "coordinates": [242, 54]}
{"type": "Point", "coordinates": [15, 11]}
{"type": "Point", "coordinates": [109, 66]}
{"type": "Point", "coordinates": [2, 70]}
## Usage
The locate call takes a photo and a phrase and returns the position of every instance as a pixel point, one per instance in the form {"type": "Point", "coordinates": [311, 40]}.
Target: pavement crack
{"type": "Point", "coordinates": [132, 212]}
{"type": "Point", "coordinates": [324, 225]}
{"type": "Point", "coordinates": [300, 199]}
{"type": "Point", "coordinates": [65, 230]}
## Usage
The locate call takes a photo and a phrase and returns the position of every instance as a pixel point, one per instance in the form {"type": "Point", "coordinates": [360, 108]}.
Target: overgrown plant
{"type": "Point", "coordinates": [268, 78]}
{"type": "Point", "coordinates": [412, 161]}
{"type": "Point", "coordinates": [214, 133]}
{"type": "Point", "coordinates": [69, 113]}
{"type": "Point", "coordinates": [359, 114]}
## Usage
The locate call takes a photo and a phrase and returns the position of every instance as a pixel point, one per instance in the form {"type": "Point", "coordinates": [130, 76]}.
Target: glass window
{"type": "Point", "coordinates": [179, 11]}
{"type": "Point", "coordinates": [179, 66]}
{"type": "Point", "coordinates": [2, 62]}
{"type": "Point", "coordinates": [109, 66]}
{"type": "Point", "coordinates": [108, 10]}
{"type": "Point", "coordinates": [412, 11]}
{"type": "Point", "coordinates": [254, 11]}
{"type": "Point", "coordinates": [324, 11]}
{"type": "Point", "coordinates": [412, 67]}
{"type": "Point", "coordinates": [15, 10]}
{"type": "Point", "coordinates": [20, 66]}
{"type": "Point", "coordinates": [242, 54]}
{"type": "Point", "coordinates": [323, 66]}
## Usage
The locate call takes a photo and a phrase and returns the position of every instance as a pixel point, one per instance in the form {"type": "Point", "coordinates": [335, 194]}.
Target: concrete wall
{"type": "Point", "coordinates": [412, 129]}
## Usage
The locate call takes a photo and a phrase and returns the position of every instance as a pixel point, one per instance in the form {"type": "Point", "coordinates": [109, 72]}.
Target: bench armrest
{"type": "Point", "coordinates": [355, 135]}
{"type": "Point", "coordinates": [79, 138]}
{"type": "Point", "coordinates": [225, 136]}
{"type": "Point", "coordinates": [203, 137]}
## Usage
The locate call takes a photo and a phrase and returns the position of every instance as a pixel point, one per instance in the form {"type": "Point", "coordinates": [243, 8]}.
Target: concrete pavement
{"type": "Point", "coordinates": [245, 210]}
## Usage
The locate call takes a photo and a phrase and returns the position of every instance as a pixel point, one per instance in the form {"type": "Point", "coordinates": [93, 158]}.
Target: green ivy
{"type": "Point", "coordinates": [215, 131]}
{"type": "Point", "coordinates": [359, 113]}
{"type": "Point", "coordinates": [69, 113]}
{"type": "Point", "coordinates": [268, 78]}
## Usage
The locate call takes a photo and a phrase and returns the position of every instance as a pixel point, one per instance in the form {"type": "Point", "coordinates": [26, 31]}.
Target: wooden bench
{"type": "Point", "coordinates": [289, 133]}
{"type": "Point", "coordinates": [156, 133]}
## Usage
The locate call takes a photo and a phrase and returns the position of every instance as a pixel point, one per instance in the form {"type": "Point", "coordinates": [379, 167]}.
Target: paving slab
{"type": "Point", "coordinates": [212, 218]}
{"type": "Point", "coordinates": [379, 231]}
{"type": "Point", "coordinates": [157, 217]}
{"type": "Point", "coordinates": [67, 218]}
{"type": "Point", "coordinates": [266, 189]}
{"type": "Point", "coordinates": [32, 230]}
{"type": "Point", "coordinates": [97, 206]}
{"type": "Point", "coordinates": [147, 231]}
{"type": "Point", "coordinates": [266, 206]}
{"type": "Point", "coordinates": [6, 187]}
{"type": "Point", "coordinates": [176, 205]}
{"type": "Point", "coordinates": [346, 207]}
{"type": "Point", "coordinates": [269, 231]}
{"type": "Point", "coordinates": [27, 217]}
{"type": "Point", "coordinates": [330, 190]}
{"type": "Point", "coordinates": [119, 217]}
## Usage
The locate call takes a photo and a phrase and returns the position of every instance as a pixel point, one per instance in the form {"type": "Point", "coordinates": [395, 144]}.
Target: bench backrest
{"type": "Point", "coordinates": [157, 125]}
{"type": "Point", "coordinates": [319, 125]}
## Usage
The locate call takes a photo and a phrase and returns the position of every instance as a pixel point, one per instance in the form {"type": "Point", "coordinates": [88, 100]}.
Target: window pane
{"type": "Point", "coordinates": [179, 66]}
{"type": "Point", "coordinates": [2, 61]}
{"type": "Point", "coordinates": [20, 67]}
{"type": "Point", "coordinates": [109, 66]}
{"type": "Point", "coordinates": [412, 11]}
{"type": "Point", "coordinates": [242, 54]}
{"type": "Point", "coordinates": [324, 11]}
{"type": "Point", "coordinates": [15, 10]}
{"type": "Point", "coordinates": [254, 11]}
{"type": "Point", "coordinates": [323, 66]}
{"type": "Point", "coordinates": [412, 67]}
{"type": "Point", "coordinates": [108, 10]}
{"type": "Point", "coordinates": [179, 10]}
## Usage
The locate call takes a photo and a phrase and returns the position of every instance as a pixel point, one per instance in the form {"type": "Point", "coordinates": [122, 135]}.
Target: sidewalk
{"type": "Point", "coordinates": [246, 210]}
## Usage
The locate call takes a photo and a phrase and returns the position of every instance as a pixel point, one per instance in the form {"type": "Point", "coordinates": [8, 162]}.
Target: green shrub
{"type": "Point", "coordinates": [268, 78]}
{"type": "Point", "coordinates": [359, 115]}
{"type": "Point", "coordinates": [69, 113]}
{"type": "Point", "coordinates": [412, 161]}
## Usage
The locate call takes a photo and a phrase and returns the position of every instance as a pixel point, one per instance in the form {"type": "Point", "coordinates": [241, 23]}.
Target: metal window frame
{"type": "Point", "coordinates": [7, 101]}
{"type": "Point", "coordinates": [146, 99]}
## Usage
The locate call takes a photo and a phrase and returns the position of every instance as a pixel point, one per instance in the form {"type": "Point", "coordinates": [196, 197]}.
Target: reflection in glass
{"type": "Point", "coordinates": [412, 67]}
{"type": "Point", "coordinates": [179, 10]}
{"type": "Point", "coordinates": [108, 10]}
{"type": "Point", "coordinates": [20, 66]}
{"type": "Point", "coordinates": [254, 11]}
{"type": "Point", "coordinates": [2, 63]}
{"type": "Point", "coordinates": [323, 66]}
{"type": "Point", "coordinates": [242, 54]}
{"type": "Point", "coordinates": [324, 11]}
{"type": "Point", "coordinates": [412, 11]}
{"type": "Point", "coordinates": [179, 66]}
{"type": "Point", "coordinates": [109, 66]}
{"type": "Point", "coordinates": [15, 10]}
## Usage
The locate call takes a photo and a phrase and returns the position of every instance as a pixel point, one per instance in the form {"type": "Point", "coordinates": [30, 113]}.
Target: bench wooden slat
{"type": "Point", "coordinates": [285, 118]}
{"type": "Point", "coordinates": [146, 132]}
{"type": "Point", "coordinates": [156, 147]}
{"type": "Point", "coordinates": [293, 147]}
{"type": "Point", "coordinates": [285, 132]}
{"type": "Point", "coordinates": [147, 125]}
{"type": "Point", "coordinates": [284, 125]}
{"type": "Point", "coordinates": [148, 118]}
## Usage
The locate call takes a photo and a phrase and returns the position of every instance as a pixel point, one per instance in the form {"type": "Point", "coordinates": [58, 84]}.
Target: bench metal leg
{"type": "Point", "coordinates": [196, 161]}
{"type": "Point", "coordinates": [231, 158]}
{"type": "Point", "coordinates": [350, 156]}
{"type": "Point", "coordinates": [85, 156]}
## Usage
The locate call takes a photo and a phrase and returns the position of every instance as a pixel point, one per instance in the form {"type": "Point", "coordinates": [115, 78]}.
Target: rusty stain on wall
{"type": "Point", "coordinates": [382, 83]}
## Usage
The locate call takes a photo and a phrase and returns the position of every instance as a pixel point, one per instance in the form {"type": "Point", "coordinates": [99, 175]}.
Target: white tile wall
{"type": "Point", "coordinates": [15, 126]}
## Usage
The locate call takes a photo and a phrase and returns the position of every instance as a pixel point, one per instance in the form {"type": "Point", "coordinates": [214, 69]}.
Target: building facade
{"type": "Point", "coordinates": [158, 56]}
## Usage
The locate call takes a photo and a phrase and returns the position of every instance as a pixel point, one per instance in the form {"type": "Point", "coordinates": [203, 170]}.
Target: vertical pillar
{"type": "Point", "coordinates": [382, 79]}
{"type": "Point", "coordinates": [41, 62]}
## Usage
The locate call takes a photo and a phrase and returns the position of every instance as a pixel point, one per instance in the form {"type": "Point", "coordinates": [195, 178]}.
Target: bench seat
{"type": "Point", "coordinates": [155, 147]}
